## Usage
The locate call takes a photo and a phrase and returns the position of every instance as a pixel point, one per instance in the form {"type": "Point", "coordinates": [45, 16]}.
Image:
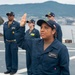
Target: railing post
{"type": "Point", "coordinates": [72, 35]}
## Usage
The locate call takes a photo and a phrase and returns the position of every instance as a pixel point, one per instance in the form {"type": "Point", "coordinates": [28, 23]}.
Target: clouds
{"type": "Point", "coordinates": [34, 1]}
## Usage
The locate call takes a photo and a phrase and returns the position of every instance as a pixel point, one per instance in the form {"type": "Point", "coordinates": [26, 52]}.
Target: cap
{"type": "Point", "coordinates": [49, 22]}
{"type": "Point", "coordinates": [50, 14]}
{"type": "Point", "coordinates": [10, 13]}
{"type": "Point", "coordinates": [32, 21]}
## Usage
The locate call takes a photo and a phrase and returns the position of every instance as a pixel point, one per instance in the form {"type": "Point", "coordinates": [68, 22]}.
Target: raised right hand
{"type": "Point", "coordinates": [23, 20]}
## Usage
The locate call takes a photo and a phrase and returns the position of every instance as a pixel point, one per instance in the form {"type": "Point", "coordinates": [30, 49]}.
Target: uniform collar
{"type": "Point", "coordinates": [40, 46]}
{"type": "Point", "coordinates": [54, 43]}
{"type": "Point", "coordinates": [12, 22]}
{"type": "Point", "coordinates": [32, 30]}
{"type": "Point", "coordinates": [53, 46]}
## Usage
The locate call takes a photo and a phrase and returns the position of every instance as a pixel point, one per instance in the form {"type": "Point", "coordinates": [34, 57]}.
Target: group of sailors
{"type": "Point", "coordinates": [44, 56]}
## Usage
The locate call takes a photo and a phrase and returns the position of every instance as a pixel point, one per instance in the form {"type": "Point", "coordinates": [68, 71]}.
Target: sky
{"type": "Point", "coordinates": [34, 1]}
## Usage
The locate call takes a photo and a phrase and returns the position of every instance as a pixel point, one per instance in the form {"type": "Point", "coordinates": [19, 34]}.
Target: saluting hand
{"type": "Point", "coordinates": [23, 20]}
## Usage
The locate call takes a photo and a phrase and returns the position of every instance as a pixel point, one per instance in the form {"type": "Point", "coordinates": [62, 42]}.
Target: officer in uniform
{"type": "Point", "coordinates": [51, 16]}
{"type": "Point", "coordinates": [48, 55]}
{"type": "Point", "coordinates": [31, 33]}
{"type": "Point", "coordinates": [11, 48]}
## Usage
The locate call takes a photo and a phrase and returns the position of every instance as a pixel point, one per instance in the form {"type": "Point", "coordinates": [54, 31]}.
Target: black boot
{"type": "Point", "coordinates": [12, 73]}
{"type": "Point", "coordinates": [7, 72]}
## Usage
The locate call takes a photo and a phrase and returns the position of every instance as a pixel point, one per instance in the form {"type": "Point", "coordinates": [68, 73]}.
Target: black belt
{"type": "Point", "coordinates": [11, 40]}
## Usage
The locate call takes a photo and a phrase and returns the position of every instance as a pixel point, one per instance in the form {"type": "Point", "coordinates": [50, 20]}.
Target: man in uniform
{"type": "Point", "coordinates": [51, 16]}
{"type": "Point", "coordinates": [11, 48]}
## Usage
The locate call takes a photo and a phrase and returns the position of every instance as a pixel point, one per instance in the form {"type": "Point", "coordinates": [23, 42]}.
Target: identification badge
{"type": "Point", "coordinates": [13, 28]}
{"type": "Point", "coordinates": [53, 55]}
{"type": "Point", "coordinates": [32, 34]}
{"type": "Point", "coordinates": [13, 32]}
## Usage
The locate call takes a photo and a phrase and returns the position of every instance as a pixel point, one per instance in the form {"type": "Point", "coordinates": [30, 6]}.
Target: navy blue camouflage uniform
{"type": "Point", "coordinates": [53, 61]}
{"type": "Point", "coordinates": [11, 48]}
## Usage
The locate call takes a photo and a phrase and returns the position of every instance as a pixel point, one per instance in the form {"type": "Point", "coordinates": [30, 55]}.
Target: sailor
{"type": "Point", "coordinates": [31, 33]}
{"type": "Point", "coordinates": [11, 48]}
{"type": "Point", "coordinates": [51, 16]}
{"type": "Point", "coordinates": [48, 55]}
